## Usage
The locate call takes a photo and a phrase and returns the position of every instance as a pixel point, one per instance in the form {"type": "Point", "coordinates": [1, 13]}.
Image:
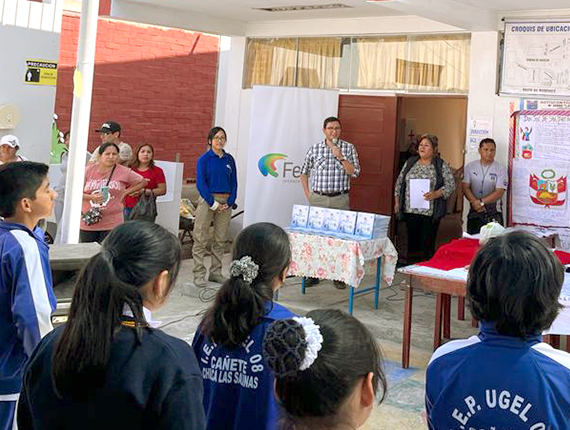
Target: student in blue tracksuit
{"type": "Point", "coordinates": [328, 370]}
{"type": "Point", "coordinates": [26, 291]}
{"type": "Point", "coordinates": [238, 386]}
{"type": "Point", "coordinates": [109, 367]}
{"type": "Point", "coordinates": [216, 180]}
{"type": "Point", "coordinates": [505, 378]}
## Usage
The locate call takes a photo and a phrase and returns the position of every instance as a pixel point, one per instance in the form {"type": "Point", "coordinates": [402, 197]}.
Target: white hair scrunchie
{"type": "Point", "coordinates": [314, 341]}
{"type": "Point", "coordinates": [244, 267]}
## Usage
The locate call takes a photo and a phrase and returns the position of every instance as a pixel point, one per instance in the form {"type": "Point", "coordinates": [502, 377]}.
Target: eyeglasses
{"type": "Point", "coordinates": [333, 128]}
{"type": "Point", "coordinates": [219, 139]}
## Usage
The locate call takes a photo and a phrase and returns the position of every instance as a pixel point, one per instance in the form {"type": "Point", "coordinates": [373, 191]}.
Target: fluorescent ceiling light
{"type": "Point", "coordinates": [302, 7]}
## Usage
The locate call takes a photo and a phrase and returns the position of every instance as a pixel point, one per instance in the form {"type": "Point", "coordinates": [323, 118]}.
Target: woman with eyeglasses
{"type": "Point", "coordinates": [216, 180]}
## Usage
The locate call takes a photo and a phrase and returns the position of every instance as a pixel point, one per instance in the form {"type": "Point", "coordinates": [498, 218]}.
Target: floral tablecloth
{"type": "Point", "coordinates": [327, 257]}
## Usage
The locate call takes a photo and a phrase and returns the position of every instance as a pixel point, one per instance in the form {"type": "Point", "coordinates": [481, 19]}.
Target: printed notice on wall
{"type": "Point", "coordinates": [536, 59]}
{"type": "Point", "coordinates": [535, 104]}
{"type": "Point", "coordinates": [41, 72]}
{"type": "Point", "coordinates": [479, 129]}
{"type": "Point", "coordinates": [540, 192]}
{"type": "Point", "coordinates": [543, 137]}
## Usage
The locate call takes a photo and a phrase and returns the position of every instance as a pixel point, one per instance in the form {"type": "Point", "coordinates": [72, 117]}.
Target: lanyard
{"type": "Point", "coordinates": [484, 172]}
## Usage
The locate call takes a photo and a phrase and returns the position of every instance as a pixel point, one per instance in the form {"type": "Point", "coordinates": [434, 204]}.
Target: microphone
{"type": "Point", "coordinates": [334, 140]}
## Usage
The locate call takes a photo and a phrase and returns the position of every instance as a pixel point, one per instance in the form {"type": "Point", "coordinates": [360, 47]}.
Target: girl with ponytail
{"type": "Point", "coordinates": [108, 368]}
{"type": "Point", "coordinates": [328, 370]}
{"type": "Point", "coordinates": [238, 386]}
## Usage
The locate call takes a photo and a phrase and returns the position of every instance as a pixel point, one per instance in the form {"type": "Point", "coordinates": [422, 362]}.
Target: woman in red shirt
{"type": "Point", "coordinates": [143, 164]}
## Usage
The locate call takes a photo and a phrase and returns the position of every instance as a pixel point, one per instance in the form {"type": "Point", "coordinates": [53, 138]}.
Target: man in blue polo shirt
{"type": "Point", "coordinates": [505, 378]}
{"type": "Point", "coordinates": [216, 180]}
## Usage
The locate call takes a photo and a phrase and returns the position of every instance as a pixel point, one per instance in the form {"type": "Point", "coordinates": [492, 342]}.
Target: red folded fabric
{"type": "Point", "coordinates": [460, 252]}
{"type": "Point", "coordinates": [457, 253]}
{"type": "Point", "coordinates": [563, 256]}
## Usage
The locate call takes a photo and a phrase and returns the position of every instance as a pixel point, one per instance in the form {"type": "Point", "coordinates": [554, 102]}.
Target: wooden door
{"type": "Point", "coordinates": [369, 123]}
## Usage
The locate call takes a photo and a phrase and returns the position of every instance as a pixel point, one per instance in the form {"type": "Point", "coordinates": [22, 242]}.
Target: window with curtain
{"type": "Point", "coordinates": [438, 63]}
{"type": "Point", "coordinates": [375, 63]}
{"type": "Point", "coordinates": [318, 62]}
{"type": "Point", "coordinates": [270, 62]}
{"type": "Point", "coordinates": [434, 63]}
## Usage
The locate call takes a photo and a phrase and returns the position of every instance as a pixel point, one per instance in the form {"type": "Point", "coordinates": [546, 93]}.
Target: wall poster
{"type": "Point", "coordinates": [539, 169]}
{"type": "Point", "coordinates": [536, 59]}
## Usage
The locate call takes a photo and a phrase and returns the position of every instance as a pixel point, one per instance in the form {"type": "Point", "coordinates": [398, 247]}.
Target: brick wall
{"type": "Point", "coordinates": [158, 83]}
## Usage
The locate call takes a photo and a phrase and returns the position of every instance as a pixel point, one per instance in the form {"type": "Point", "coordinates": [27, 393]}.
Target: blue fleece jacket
{"type": "Point", "coordinates": [216, 175]}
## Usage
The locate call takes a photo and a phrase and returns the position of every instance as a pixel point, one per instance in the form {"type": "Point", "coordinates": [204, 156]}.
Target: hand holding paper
{"type": "Point", "coordinates": [431, 195]}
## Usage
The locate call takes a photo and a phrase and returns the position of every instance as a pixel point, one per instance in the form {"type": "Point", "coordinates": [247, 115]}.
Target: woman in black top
{"type": "Point", "coordinates": [108, 368]}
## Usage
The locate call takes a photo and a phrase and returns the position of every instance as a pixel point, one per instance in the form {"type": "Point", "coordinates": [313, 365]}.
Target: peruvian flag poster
{"type": "Point", "coordinates": [540, 192]}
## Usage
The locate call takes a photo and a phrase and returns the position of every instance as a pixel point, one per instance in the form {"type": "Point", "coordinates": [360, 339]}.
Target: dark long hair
{"type": "Point", "coordinates": [136, 162]}
{"type": "Point", "coordinates": [239, 305]}
{"type": "Point", "coordinates": [131, 256]}
{"type": "Point", "coordinates": [313, 398]}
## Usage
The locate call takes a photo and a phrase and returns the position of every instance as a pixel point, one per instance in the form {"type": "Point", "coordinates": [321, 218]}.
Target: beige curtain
{"type": "Point", "coordinates": [318, 62]}
{"type": "Point", "coordinates": [270, 62]}
{"type": "Point", "coordinates": [439, 63]}
{"type": "Point", "coordinates": [283, 64]}
{"type": "Point", "coordinates": [375, 63]}
{"type": "Point", "coordinates": [415, 63]}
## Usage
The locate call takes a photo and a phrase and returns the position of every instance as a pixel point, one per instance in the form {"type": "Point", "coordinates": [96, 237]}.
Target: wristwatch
{"type": "Point", "coordinates": [482, 202]}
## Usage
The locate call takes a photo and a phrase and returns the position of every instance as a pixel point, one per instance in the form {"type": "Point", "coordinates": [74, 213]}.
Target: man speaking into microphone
{"type": "Point", "coordinates": [326, 173]}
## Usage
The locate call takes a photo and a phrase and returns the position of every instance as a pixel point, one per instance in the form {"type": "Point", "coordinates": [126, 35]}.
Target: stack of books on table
{"type": "Point", "coordinates": [339, 223]}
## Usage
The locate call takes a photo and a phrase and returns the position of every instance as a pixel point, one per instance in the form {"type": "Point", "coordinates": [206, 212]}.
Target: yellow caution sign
{"type": "Point", "coordinates": [41, 72]}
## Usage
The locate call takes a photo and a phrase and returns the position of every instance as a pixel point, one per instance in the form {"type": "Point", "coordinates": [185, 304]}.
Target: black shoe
{"type": "Point", "coordinates": [311, 282]}
{"type": "Point", "coordinates": [339, 285]}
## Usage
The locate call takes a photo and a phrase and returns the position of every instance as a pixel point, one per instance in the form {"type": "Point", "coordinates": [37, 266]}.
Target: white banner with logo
{"type": "Point", "coordinates": [285, 122]}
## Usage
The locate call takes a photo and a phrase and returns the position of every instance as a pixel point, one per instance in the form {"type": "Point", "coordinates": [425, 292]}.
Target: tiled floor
{"type": "Point", "coordinates": [404, 404]}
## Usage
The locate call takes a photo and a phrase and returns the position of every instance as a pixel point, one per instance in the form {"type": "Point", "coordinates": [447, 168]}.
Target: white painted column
{"type": "Point", "coordinates": [483, 75]}
{"type": "Point", "coordinates": [83, 86]}
{"type": "Point", "coordinates": [483, 72]}
{"type": "Point", "coordinates": [231, 112]}
{"type": "Point", "coordinates": [228, 88]}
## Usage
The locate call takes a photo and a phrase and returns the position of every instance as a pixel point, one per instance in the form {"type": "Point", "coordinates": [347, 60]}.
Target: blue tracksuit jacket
{"type": "Point", "coordinates": [492, 381]}
{"type": "Point", "coordinates": [26, 301]}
